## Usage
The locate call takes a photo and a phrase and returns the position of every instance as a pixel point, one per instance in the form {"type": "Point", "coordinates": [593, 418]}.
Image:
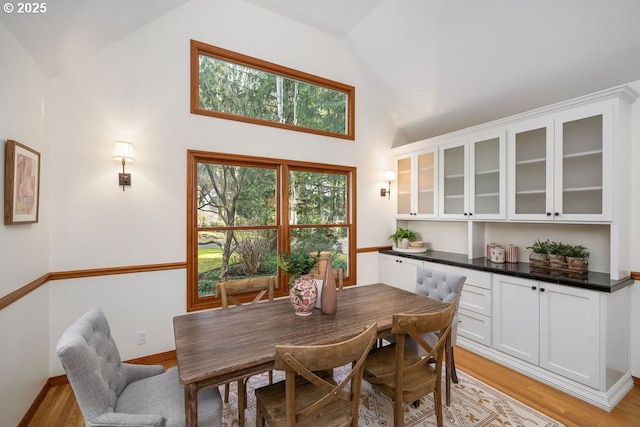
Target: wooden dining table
{"type": "Point", "coordinates": [217, 346]}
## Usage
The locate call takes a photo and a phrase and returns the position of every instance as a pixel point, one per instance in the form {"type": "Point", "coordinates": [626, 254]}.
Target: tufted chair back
{"type": "Point", "coordinates": [96, 377]}
{"type": "Point", "coordinates": [441, 285]}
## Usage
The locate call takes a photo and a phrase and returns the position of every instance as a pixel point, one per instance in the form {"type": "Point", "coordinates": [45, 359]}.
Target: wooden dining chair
{"type": "Point", "coordinates": [310, 397]}
{"type": "Point", "coordinates": [400, 373]}
{"type": "Point", "coordinates": [228, 292]}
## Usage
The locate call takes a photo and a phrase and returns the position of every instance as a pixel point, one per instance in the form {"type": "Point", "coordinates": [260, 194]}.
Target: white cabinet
{"type": "Point", "coordinates": [398, 271]}
{"type": "Point", "coordinates": [416, 188]}
{"type": "Point", "coordinates": [553, 326]}
{"type": "Point", "coordinates": [561, 166]}
{"type": "Point", "coordinates": [472, 178]}
{"type": "Point", "coordinates": [474, 311]}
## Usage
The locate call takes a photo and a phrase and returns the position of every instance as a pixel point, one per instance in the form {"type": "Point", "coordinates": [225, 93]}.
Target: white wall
{"type": "Point", "coordinates": [24, 248]}
{"type": "Point", "coordinates": [138, 89]}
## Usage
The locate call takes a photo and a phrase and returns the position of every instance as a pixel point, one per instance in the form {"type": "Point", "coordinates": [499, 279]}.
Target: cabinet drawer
{"type": "Point", "coordinates": [475, 327]}
{"type": "Point", "coordinates": [476, 299]}
{"type": "Point", "coordinates": [474, 277]}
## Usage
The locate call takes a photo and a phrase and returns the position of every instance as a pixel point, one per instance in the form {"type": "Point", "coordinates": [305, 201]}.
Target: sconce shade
{"type": "Point", "coordinates": [123, 150]}
{"type": "Point", "coordinates": [389, 176]}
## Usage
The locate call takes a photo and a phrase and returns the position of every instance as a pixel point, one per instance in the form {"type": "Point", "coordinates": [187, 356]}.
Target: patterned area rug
{"type": "Point", "coordinates": [472, 404]}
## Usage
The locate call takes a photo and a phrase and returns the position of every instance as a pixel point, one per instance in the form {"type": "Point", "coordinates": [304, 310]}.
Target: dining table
{"type": "Point", "coordinates": [215, 347]}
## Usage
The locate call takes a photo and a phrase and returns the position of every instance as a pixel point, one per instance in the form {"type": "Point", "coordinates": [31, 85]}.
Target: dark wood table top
{"type": "Point", "coordinates": [217, 346]}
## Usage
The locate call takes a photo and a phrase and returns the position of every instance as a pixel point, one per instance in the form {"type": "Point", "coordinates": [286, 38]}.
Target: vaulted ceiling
{"type": "Point", "coordinates": [439, 65]}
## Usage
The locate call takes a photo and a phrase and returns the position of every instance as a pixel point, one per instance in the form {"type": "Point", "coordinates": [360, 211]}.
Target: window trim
{"type": "Point", "coordinates": [194, 301]}
{"type": "Point", "coordinates": [198, 48]}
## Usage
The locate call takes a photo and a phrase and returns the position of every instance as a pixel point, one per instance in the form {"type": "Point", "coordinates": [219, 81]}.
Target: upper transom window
{"type": "Point", "coordinates": [233, 86]}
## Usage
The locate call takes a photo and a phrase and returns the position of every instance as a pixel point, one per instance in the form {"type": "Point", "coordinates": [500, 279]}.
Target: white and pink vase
{"type": "Point", "coordinates": [303, 295]}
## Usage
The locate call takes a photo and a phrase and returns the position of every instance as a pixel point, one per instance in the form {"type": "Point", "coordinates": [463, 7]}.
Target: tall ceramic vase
{"type": "Point", "coordinates": [303, 295]}
{"type": "Point", "coordinates": [329, 297]}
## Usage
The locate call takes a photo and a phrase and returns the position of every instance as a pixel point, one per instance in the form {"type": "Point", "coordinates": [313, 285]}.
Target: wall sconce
{"type": "Point", "coordinates": [123, 150]}
{"type": "Point", "coordinates": [388, 176]}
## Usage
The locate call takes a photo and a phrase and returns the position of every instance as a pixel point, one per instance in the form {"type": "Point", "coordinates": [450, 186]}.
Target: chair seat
{"type": "Point", "coordinates": [164, 395]}
{"type": "Point", "coordinates": [272, 401]}
{"type": "Point", "coordinates": [380, 372]}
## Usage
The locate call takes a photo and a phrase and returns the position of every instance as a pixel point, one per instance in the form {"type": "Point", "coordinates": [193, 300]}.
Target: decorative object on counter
{"type": "Point", "coordinates": [559, 256]}
{"type": "Point", "coordinates": [489, 247]}
{"type": "Point", "coordinates": [303, 292]}
{"type": "Point", "coordinates": [410, 250]}
{"type": "Point", "coordinates": [329, 301]}
{"type": "Point", "coordinates": [511, 255]}
{"type": "Point", "coordinates": [416, 244]}
{"type": "Point", "coordinates": [402, 237]}
{"type": "Point", "coordinates": [498, 255]}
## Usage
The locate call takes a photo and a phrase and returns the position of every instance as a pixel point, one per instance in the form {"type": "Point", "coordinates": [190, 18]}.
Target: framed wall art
{"type": "Point", "coordinates": [21, 184]}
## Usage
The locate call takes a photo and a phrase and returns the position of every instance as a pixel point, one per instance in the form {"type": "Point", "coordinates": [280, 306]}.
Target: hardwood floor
{"type": "Point", "coordinates": [59, 408]}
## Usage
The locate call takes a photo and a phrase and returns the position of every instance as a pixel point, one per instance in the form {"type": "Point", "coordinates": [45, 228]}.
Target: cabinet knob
{"type": "Point", "coordinates": [548, 213]}
{"type": "Point", "coordinates": [541, 289]}
{"type": "Point", "coordinates": [470, 213]}
{"type": "Point", "coordinates": [465, 214]}
{"type": "Point", "coordinates": [533, 288]}
{"type": "Point", "coordinates": [556, 214]}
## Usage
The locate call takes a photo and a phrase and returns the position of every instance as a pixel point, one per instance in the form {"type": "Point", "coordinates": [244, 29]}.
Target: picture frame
{"type": "Point", "coordinates": [21, 184]}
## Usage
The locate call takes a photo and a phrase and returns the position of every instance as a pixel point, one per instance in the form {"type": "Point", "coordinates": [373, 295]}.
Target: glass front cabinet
{"type": "Point", "coordinates": [559, 166]}
{"type": "Point", "coordinates": [417, 192]}
{"type": "Point", "coordinates": [473, 178]}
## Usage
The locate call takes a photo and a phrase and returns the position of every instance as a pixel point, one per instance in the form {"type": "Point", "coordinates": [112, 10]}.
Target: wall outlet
{"type": "Point", "coordinates": [142, 337]}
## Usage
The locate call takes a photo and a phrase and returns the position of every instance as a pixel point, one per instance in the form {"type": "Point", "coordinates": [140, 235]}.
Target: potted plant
{"type": "Point", "coordinates": [557, 251]}
{"type": "Point", "coordinates": [577, 257]}
{"type": "Point", "coordinates": [401, 234]}
{"type": "Point", "coordinates": [302, 288]}
{"type": "Point", "coordinates": [540, 251]}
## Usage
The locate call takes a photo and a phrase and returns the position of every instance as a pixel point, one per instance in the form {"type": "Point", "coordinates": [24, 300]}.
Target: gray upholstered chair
{"type": "Point", "coordinates": [112, 393]}
{"type": "Point", "coordinates": [444, 286]}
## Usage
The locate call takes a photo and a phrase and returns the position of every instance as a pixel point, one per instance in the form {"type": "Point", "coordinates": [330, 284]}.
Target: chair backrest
{"type": "Point", "coordinates": [226, 291]}
{"type": "Point", "coordinates": [92, 362]}
{"type": "Point", "coordinates": [442, 285]}
{"type": "Point", "coordinates": [410, 368]}
{"type": "Point", "coordinates": [310, 362]}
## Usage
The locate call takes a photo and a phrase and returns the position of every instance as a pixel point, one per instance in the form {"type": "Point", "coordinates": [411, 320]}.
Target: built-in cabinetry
{"type": "Point", "coordinates": [572, 338]}
{"type": "Point", "coordinates": [474, 310]}
{"type": "Point", "coordinates": [552, 326]}
{"type": "Point", "coordinates": [472, 178]}
{"type": "Point", "coordinates": [416, 175]}
{"type": "Point", "coordinates": [561, 166]}
{"type": "Point", "coordinates": [555, 164]}
{"type": "Point", "coordinates": [398, 271]}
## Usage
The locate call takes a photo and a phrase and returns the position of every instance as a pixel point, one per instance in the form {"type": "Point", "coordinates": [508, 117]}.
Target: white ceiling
{"type": "Point", "coordinates": [439, 65]}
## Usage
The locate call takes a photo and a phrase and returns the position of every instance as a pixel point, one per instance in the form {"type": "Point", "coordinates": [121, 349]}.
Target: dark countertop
{"type": "Point", "coordinates": [590, 280]}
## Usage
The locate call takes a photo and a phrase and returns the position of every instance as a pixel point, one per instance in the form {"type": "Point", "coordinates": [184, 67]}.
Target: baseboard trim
{"type": "Point", "coordinates": [153, 359]}
{"type": "Point", "coordinates": [603, 400]}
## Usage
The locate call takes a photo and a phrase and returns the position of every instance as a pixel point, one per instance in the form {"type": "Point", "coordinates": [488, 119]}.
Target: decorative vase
{"type": "Point", "coordinates": [303, 295]}
{"type": "Point", "coordinates": [404, 243]}
{"type": "Point", "coordinates": [329, 297]}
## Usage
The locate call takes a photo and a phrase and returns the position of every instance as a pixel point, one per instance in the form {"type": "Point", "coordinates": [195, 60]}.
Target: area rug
{"type": "Point", "coordinates": [473, 403]}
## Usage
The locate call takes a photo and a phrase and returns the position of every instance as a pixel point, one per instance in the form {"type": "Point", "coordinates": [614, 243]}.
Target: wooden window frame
{"type": "Point", "coordinates": [196, 302]}
{"type": "Point", "coordinates": [199, 48]}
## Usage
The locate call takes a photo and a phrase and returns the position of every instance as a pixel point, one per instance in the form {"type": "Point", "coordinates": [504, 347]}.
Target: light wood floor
{"type": "Point", "coordinates": [59, 408]}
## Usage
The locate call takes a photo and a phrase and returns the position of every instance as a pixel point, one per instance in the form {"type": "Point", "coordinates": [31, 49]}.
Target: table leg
{"type": "Point", "coordinates": [191, 405]}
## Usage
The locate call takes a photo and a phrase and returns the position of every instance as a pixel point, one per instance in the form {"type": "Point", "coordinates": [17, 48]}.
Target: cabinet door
{"type": "Point", "coordinates": [388, 269]}
{"type": "Point", "coordinates": [408, 273]}
{"type": "Point", "coordinates": [404, 185]}
{"type": "Point", "coordinates": [426, 189]}
{"type": "Point", "coordinates": [530, 168]}
{"type": "Point", "coordinates": [398, 271]}
{"type": "Point", "coordinates": [516, 317]}
{"type": "Point", "coordinates": [416, 185]}
{"type": "Point", "coordinates": [487, 185]}
{"type": "Point", "coordinates": [570, 333]}
{"type": "Point", "coordinates": [583, 159]}
{"type": "Point", "coordinates": [454, 183]}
